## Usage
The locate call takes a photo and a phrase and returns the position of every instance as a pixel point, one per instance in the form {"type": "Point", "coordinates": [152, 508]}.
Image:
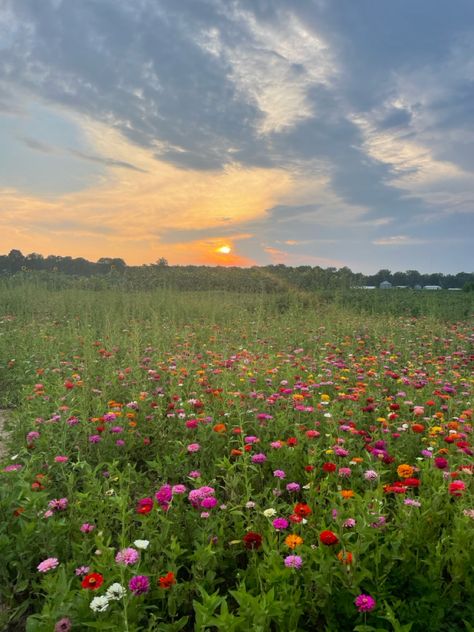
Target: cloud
{"type": "Point", "coordinates": [398, 240]}
{"type": "Point", "coordinates": [309, 122]}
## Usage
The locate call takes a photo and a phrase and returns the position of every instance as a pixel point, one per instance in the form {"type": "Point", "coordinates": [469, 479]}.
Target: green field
{"type": "Point", "coordinates": [233, 431]}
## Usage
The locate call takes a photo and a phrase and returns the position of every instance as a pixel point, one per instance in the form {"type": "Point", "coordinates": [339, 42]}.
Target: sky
{"type": "Point", "coordinates": [239, 132]}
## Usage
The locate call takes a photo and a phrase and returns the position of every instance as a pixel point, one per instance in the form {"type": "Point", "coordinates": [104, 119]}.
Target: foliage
{"type": "Point", "coordinates": [343, 413]}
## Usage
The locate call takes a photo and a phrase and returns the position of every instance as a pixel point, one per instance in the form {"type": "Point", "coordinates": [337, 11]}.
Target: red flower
{"type": "Point", "coordinates": [302, 510]}
{"type": "Point", "coordinates": [329, 467]}
{"type": "Point", "coordinates": [92, 581]}
{"type": "Point", "coordinates": [456, 488]}
{"type": "Point", "coordinates": [412, 482]}
{"type": "Point", "coordinates": [167, 580]}
{"type": "Point", "coordinates": [144, 505]}
{"type": "Point", "coordinates": [309, 468]}
{"type": "Point", "coordinates": [252, 540]}
{"type": "Point", "coordinates": [295, 518]}
{"type": "Point", "coordinates": [418, 428]}
{"type": "Point", "coordinates": [328, 538]}
{"type": "Point", "coordinates": [292, 441]}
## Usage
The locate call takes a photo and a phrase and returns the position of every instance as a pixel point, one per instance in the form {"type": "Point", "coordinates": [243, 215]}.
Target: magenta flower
{"type": "Point", "coordinates": [48, 564]}
{"type": "Point", "coordinates": [127, 556]}
{"type": "Point", "coordinates": [280, 524]}
{"type": "Point", "coordinates": [193, 447]}
{"type": "Point", "coordinates": [178, 489]}
{"type": "Point", "coordinates": [58, 504]}
{"type": "Point", "coordinates": [61, 459]}
{"type": "Point", "coordinates": [293, 487]}
{"type": "Point", "coordinates": [209, 502]}
{"type": "Point", "coordinates": [293, 561]}
{"type": "Point", "coordinates": [87, 528]}
{"type": "Point", "coordinates": [94, 439]}
{"type": "Point", "coordinates": [63, 625]}
{"type": "Point", "coordinates": [279, 474]}
{"type": "Point", "coordinates": [139, 585]}
{"type": "Point", "coordinates": [259, 458]}
{"type": "Point", "coordinates": [194, 474]}
{"type": "Point", "coordinates": [365, 603]}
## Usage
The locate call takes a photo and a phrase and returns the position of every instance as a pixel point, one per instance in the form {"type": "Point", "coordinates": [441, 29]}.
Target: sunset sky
{"type": "Point", "coordinates": [239, 132]}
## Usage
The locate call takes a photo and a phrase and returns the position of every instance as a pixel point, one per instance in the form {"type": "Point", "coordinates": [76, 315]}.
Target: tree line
{"type": "Point", "coordinates": [266, 278]}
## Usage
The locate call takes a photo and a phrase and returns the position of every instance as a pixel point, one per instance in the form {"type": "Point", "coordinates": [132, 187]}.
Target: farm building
{"type": "Point", "coordinates": [385, 285]}
{"type": "Point", "coordinates": [432, 287]}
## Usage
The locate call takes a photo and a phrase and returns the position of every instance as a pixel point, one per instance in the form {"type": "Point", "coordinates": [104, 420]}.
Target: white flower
{"type": "Point", "coordinates": [99, 604]}
{"type": "Point", "coordinates": [269, 513]}
{"type": "Point", "coordinates": [115, 592]}
{"type": "Point", "coordinates": [141, 544]}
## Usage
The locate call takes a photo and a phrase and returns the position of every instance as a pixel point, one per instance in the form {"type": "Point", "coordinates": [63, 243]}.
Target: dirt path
{"type": "Point", "coordinates": [3, 433]}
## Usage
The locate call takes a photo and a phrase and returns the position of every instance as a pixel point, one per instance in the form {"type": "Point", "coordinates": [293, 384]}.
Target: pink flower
{"type": "Point", "coordinates": [365, 603]}
{"type": "Point", "coordinates": [193, 447]}
{"type": "Point", "coordinates": [61, 459]}
{"type": "Point", "coordinates": [48, 564]}
{"type": "Point", "coordinates": [259, 458]}
{"type": "Point", "coordinates": [279, 474]}
{"type": "Point", "coordinates": [81, 570]}
{"type": "Point", "coordinates": [127, 556]}
{"type": "Point", "coordinates": [87, 528]}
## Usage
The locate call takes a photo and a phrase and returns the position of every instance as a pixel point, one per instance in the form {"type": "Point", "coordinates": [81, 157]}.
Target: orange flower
{"type": "Point", "coordinates": [347, 493]}
{"type": "Point", "coordinates": [167, 580]}
{"type": "Point", "coordinates": [293, 540]}
{"type": "Point", "coordinates": [345, 557]}
{"type": "Point", "coordinates": [220, 428]}
{"type": "Point", "coordinates": [405, 471]}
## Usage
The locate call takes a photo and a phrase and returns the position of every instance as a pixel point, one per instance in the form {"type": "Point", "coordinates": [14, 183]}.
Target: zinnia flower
{"type": "Point", "coordinates": [63, 625]}
{"type": "Point", "coordinates": [127, 556]}
{"type": "Point", "coordinates": [405, 471]}
{"type": "Point", "coordinates": [252, 540]}
{"type": "Point", "coordinates": [280, 524]}
{"type": "Point", "coordinates": [92, 581]}
{"type": "Point", "coordinates": [99, 604]}
{"type": "Point", "coordinates": [293, 540]}
{"type": "Point", "coordinates": [48, 564]}
{"type": "Point", "coordinates": [139, 585]}
{"type": "Point", "coordinates": [365, 603]}
{"type": "Point", "coordinates": [293, 561]}
{"type": "Point", "coordinates": [328, 538]}
{"type": "Point", "coordinates": [302, 510]}
{"type": "Point", "coordinates": [144, 506]}
{"type": "Point", "coordinates": [457, 487]}
{"type": "Point", "coordinates": [167, 580]}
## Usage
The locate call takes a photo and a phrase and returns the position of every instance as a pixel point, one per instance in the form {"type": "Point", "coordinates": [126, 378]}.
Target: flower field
{"type": "Point", "coordinates": [215, 461]}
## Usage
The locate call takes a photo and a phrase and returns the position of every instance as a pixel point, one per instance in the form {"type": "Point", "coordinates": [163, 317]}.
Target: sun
{"type": "Point", "coordinates": [224, 250]}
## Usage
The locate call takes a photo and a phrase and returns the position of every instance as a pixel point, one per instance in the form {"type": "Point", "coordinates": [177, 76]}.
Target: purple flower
{"type": "Point", "coordinates": [293, 487]}
{"type": "Point", "coordinates": [412, 502]}
{"type": "Point", "coordinates": [87, 528]}
{"type": "Point", "coordinates": [127, 556]}
{"type": "Point", "coordinates": [139, 585]}
{"type": "Point", "coordinates": [293, 561]}
{"type": "Point", "coordinates": [279, 474]}
{"type": "Point", "coordinates": [94, 439]}
{"type": "Point", "coordinates": [194, 474]}
{"type": "Point", "coordinates": [259, 458]}
{"type": "Point", "coordinates": [164, 494]}
{"type": "Point", "coordinates": [82, 570]}
{"type": "Point", "coordinates": [280, 524]}
{"type": "Point", "coordinates": [59, 504]}
{"type": "Point", "coordinates": [63, 625]}
{"type": "Point", "coordinates": [370, 475]}
{"type": "Point", "coordinates": [365, 603]}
